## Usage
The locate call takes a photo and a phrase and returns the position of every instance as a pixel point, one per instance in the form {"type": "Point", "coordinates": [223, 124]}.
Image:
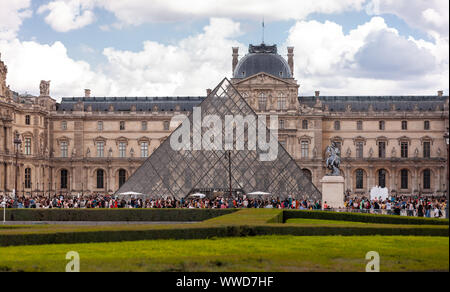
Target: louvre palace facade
{"type": "Point", "coordinates": [93, 144]}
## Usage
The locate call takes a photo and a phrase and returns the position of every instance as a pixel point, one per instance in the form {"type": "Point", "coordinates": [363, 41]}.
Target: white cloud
{"type": "Point", "coordinates": [12, 14]}
{"type": "Point", "coordinates": [185, 68]}
{"type": "Point", "coordinates": [372, 59]}
{"type": "Point", "coordinates": [66, 15]}
{"type": "Point", "coordinates": [431, 16]}
{"type": "Point", "coordinates": [30, 62]}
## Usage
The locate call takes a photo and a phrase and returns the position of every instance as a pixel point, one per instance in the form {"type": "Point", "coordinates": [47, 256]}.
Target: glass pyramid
{"type": "Point", "coordinates": [168, 172]}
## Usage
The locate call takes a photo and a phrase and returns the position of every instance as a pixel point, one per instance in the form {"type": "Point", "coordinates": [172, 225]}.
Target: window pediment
{"type": "Point", "coordinates": [426, 139]}
{"type": "Point", "coordinates": [359, 139]}
{"type": "Point", "coordinates": [122, 140]}
{"type": "Point", "coordinates": [143, 139]}
{"type": "Point", "coordinates": [63, 139]}
{"type": "Point", "coordinates": [27, 134]}
{"type": "Point", "coordinates": [99, 139]}
{"type": "Point", "coordinates": [337, 139]}
{"type": "Point", "coordinates": [305, 138]}
{"type": "Point", "coordinates": [383, 139]}
{"type": "Point", "coordinates": [404, 139]}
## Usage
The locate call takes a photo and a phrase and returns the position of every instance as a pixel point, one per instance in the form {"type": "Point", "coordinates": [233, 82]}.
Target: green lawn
{"type": "Point", "coordinates": [260, 253]}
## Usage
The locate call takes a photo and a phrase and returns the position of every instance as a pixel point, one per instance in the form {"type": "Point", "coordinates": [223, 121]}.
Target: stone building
{"type": "Point", "coordinates": [93, 144]}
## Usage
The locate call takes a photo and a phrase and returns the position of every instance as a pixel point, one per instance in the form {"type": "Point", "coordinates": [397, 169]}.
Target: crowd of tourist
{"type": "Point", "coordinates": [430, 206]}
{"type": "Point", "coordinates": [107, 201]}
{"type": "Point", "coordinates": [421, 206]}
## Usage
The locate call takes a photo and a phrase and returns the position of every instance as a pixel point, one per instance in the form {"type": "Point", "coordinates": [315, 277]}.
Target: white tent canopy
{"type": "Point", "coordinates": [197, 195]}
{"type": "Point", "coordinates": [130, 194]}
{"type": "Point", "coordinates": [258, 194]}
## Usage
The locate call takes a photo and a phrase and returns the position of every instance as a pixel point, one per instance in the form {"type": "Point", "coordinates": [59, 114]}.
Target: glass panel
{"type": "Point", "coordinates": [176, 173]}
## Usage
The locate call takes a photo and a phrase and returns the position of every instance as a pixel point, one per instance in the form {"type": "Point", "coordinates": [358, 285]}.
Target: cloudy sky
{"type": "Point", "coordinates": [182, 47]}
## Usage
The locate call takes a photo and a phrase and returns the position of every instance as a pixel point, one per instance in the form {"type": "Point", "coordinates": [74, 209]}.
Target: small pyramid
{"type": "Point", "coordinates": [169, 172]}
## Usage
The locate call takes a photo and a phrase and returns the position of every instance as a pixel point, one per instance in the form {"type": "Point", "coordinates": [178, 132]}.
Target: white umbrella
{"type": "Point", "coordinates": [258, 194]}
{"type": "Point", "coordinates": [130, 194]}
{"type": "Point", "coordinates": [198, 195]}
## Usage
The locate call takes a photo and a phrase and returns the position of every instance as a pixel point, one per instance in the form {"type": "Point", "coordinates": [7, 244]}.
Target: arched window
{"type": "Point", "coordinates": [100, 179]}
{"type": "Point", "coordinates": [359, 179]}
{"type": "Point", "coordinates": [404, 178]}
{"type": "Point", "coordinates": [262, 101]}
{"type": "Point", "coordinates": [382, 178]}
{"type": "Point", "coordinates": [307, 173]}
{"type": "Point", "coordinates": [64, 178]}
{"type": "Point", "coordinates": [28, 178]}
{"type": "Point", "coordinates": [122, 177]}
{"type": "Point", "coordinates": [427, 179]}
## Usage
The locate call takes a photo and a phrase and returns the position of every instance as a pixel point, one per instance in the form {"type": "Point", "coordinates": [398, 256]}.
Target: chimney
{"type": "Point", "coordinates": [87, 93]}
{"type": "Point", "coordinates": [440, 93]}
{"type": "Point", "coordinates": [235, 57]}
{"type": "Point", "coordinates": [291, 59]}
{"type": "Point", "coordinates": [208, 91]}
{"type": "Point", "coordinates": [317, 93]}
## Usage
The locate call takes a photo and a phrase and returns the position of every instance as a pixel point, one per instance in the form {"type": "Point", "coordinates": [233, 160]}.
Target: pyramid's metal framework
{"type": "Point", "coordinates": [177, 173]}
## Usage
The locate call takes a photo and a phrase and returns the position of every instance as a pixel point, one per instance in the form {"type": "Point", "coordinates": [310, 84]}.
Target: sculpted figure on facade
{"type": "Point", "coordinates": [44, 88]}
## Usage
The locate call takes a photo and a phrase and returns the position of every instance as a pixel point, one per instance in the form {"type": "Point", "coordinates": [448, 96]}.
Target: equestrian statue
{"type": "Point", "coordinates": [334, 160]}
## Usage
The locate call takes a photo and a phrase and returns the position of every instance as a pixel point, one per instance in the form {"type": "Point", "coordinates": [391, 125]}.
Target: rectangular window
{"type": "Point", "coordinates": [100, 149]}
{"type": "Point", "coordinates": [122, 149]}
{"type": "Point", "coordinates": [337, 125]}
{"type": "Point", "coordinates": [381, 125]}
{"type": "Point", "coordinates": [281, 124]}
{"type": "Point", "coordinates": [381, 149]}
{"type": "Point", "coordinates": [144, 126]}
{"type": "Point", "coordinates": [28, 178]}
{"type": "Point", "coordinates": [144, 149]}
{"type": "Point", "coordinates": [63, 125]}
{"type": "Point", "coordinates": [359, 149]}
{"type": "Point", "coordinates": [305, 125]}
{"type": "Point", "coordinates": [426, 149]}
{"type": "Point", "coordinates": [64, 150]}
{"type": "Point", "coordinates": [122, 126]}
{"type": "Point", "coordinates": [27, 120]}
{"type": "Point", "coordinates": [426, 125]}
{"type": "Point", "coordinates": [100, 126]}
{"type": "Point", "coordinates": [404, 149]}
{"type": "Point", "coordinates": [305, 149]}
{"type": "Point", "coordinates": [359, 125]}
{"type": "Point", "coordinates": [281, 103]}
{"type": "Point", "coordinates": [27, 146]}
{"type": "Point", "coordinates": [166, 126]}
{"type": "Point", "coordinates": [404, 125]}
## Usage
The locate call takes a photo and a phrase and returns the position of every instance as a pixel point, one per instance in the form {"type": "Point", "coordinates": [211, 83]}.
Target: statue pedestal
{"type": "Point", "coordinates": [333, 191]}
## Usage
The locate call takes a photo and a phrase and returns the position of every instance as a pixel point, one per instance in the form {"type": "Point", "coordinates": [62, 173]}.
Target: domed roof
{"type": "Point", "coordinates": [262, 58]}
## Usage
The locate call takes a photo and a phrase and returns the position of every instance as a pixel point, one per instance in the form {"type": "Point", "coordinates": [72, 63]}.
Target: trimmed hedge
{"type": "Point", "coordinates": [367, 218]}
{"type": "Point", "coordinates": [169, 215]}
{"type": "Point", "coordinates": [207, 232]}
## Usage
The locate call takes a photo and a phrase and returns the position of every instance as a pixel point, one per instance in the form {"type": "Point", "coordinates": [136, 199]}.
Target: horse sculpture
{"type": "Point", "coordinates": [334, 160]}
